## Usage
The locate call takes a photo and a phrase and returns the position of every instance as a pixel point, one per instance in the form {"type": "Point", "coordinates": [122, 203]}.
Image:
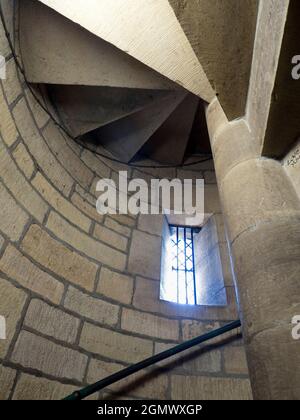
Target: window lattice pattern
{"type": "Point", "coordinates": [183, 270]}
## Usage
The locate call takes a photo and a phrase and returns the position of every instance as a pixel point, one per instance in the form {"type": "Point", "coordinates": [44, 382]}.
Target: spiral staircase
{"type": "Point", "coordinates": [128, 79]}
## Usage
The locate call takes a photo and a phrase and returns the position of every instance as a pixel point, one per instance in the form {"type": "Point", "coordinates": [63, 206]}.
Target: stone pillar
{"type": "Point", "coordinates": [262, 214]}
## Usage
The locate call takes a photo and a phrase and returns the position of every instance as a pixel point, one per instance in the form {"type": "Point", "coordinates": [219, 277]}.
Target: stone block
{"type": "Point", "coordinates": [38, 353]}
{"type": "Point", "coordinates": [7, 377]}
{"type": "Point", "coordinates": [203, 388]}
{"type": "Point", "coordinates": [65, 155]}
{"type": "Point", "coordinates": [13, 218]}
{"type": "Point", "coordinates": [192, 329]}
{"type": "Point", "coordinates": [20, 187]}
{"type": "Point", "coordinates": [33, 388]}
{"type": "Point", "coordinates": [102, 170]}
{"type": "Point", "coordinates": [110, 237]}
{"type": "Point", "coordinates": [151, 223]}
{"type": "Point", "coordinates": [51, 321]}
{"type": "Point", "coordinates": [11, 305]}
{"type": "Point", "coordinates": [144, 257]}
{"type": "Point", "coordinates": [151, 325]}
{"type": "Point", "coordinates": [4, 46]}
{"type": "Point", "coordinates": [233, 145]}
{"type": "Point", "coordinates": [235, 360]}
{"type": "Point", "coordinates": [257, 191]}
{"type": "Point", "coordinates": [117, 227]}
{"type": "Point", "coordinates": [85, 244]}
{"type": "Point", "coordinates": [28, 275]}
{"type": "Point", "coordinates": [127, 220]}
{"type": "Point", "coordinates": [216, 118]}
{"type": "Point", "coordinates": [267, 274]}
{"type": "Point", "coordinates": [90, 307]}
{"type": "Point", "coordinates": [274, 360]}
{"type": "Point", "coordinates": [193, 361]}
{"type": "Point", "coordinates": [58, 258]}
{"type": "Point", "coordinates": [39, 150]}
{"type": "Point", "coordinates": [114, 345]}
{"type": "Point", "coordinates": [7, 126]}
{"type": "Point", "coordinates": [116, 286]}
{"type": "Point", "coordinates": [85, 206]}
{"type": "Point", "coordinates": [12, 86]}
{"type": "Point", "coordinates": [142, 385]}
{"type": "Point", "coordinates": [24, 160]}
{"type": "Point", "coordinates": [40, 116]}
{"type": "Point", "coordinates": [60, 204]}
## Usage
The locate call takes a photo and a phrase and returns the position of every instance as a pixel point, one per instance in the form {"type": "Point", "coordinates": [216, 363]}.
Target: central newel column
{"type": "Point", "coordinates": [262, 213]}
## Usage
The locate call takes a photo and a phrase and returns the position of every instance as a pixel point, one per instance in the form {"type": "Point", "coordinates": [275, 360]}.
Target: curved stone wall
{"type": "Point", "coordinates": [80, 292]}
{"type": "Point", "coordinates": [261, 208]}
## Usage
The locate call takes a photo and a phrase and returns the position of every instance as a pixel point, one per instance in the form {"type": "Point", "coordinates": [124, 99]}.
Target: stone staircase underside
{"type": "Point", "coordinates": [136, 77]}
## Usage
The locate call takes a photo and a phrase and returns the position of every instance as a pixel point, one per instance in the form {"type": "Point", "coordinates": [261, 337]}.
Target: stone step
{"type": "Point", "coordinates": [56, 50]}
{"type": "Point", "coordinates": [84, 108]}
{"type": "Point", "coordinates": [168, 144]}
{"type": "Point", "coordinates": [127, 136]}
{"type": "Point", "coordinates": [199, 142]}
{"type": "Point", "coordinates": [222, 35]}
{"type": "Point", "coordinates": [145, 30]}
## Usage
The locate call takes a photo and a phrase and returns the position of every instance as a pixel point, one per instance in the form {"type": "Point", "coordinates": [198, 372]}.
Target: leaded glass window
{"type": "Point", "coordinates": [183, 270]}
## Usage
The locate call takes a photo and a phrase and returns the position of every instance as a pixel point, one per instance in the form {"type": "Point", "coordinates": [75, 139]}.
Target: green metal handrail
{"type": "Point", "coordinates": [116, 377]}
